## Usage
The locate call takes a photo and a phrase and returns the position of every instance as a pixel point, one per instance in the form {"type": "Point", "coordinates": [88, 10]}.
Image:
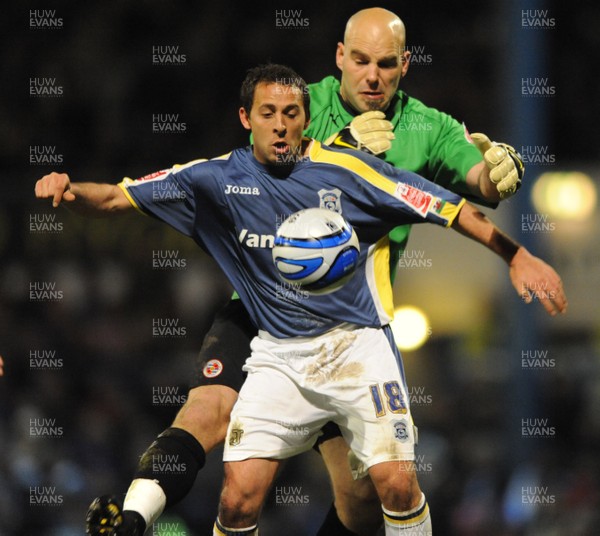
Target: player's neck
{"type": "Point", "coordinates": [283, 170]}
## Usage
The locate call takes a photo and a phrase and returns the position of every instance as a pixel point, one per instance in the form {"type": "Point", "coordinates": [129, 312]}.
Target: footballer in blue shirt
{"type": "Point", "coordinates": [316, 359]}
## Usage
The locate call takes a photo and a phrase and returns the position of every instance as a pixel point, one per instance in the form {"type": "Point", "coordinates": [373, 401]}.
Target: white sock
{"type": "Point", "coordinates": [415, 522]}
{"type": "Point", "coordinates": [147, 498]}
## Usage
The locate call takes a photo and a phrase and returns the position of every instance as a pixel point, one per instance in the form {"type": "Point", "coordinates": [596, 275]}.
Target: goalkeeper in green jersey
{"type": "Point", "coordinates": [364, 110]}
{"type": "Point", "coordinates": [401, 129]}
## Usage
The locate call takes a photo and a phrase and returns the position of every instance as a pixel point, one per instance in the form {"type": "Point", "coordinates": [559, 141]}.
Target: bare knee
{"type": "Point", "coordinates": [245, 486]}
{"type": "Point", "coordinates": [397, 485]}
{"type": "Point", "coordinates": [238, 509]}
{"type": "Point", "coordinates": [205, 414]}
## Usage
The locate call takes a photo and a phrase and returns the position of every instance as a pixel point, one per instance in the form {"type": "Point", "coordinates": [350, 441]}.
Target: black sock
{"type": "Point", "coordinates": [173, 460]}
{"type": "Point", "coordinates": [133, 523]}
{"type": "Point", "coordinates": [332, 526]}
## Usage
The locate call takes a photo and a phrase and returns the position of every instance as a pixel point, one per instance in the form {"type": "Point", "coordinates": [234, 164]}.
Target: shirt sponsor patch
{"type": "Point", "coordinates": [212, 369]}
{"type": "Point", "coordinates": [154, 175]}
{"type": "Point", "coordinates": [413, 197]}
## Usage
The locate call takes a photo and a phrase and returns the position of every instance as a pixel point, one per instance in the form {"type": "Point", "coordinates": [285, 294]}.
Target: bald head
{"type": "Point", "coordinates": [372, 59]}
{"type": "Point", "coordinates": [374, 24]}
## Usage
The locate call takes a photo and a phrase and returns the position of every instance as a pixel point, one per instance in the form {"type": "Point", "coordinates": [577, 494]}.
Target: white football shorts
{"type": "Point", "coordinates": [351, 375]}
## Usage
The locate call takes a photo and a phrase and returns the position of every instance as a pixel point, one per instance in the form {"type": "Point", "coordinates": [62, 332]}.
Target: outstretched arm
{"type": "Point", "coordinates": [87, 198]}
{"type": "Point", "coordinates": [530, 276]}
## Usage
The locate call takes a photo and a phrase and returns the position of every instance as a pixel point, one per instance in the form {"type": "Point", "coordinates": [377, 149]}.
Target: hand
{"type": "Point", "coordinates": [534, 279]}
{"type": "Point", "coordinates": [370, 132]}
{"type": "Point", "coordinates": [57, 186]}
{"type": "Point", "coordinates": [505, 164]}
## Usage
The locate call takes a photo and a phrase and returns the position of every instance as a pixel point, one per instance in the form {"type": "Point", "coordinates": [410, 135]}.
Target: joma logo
{"type": "Point", "coordinates": [241, 190]}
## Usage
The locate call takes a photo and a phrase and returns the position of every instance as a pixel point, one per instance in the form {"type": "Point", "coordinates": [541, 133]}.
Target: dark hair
{"type": "Point", "coordinates": [273, 73]}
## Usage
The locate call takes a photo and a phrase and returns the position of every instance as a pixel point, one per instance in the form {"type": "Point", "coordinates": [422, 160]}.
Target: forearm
{"type": "Point", "coordinates": [87, 198]}
{"type": "Point", "coordinates": [480, 185]}
{"type": "Point", "coordinates": [93, 199]}
{"type": "Point", "coordinates": [531, 277]}
{"type": "Point", "coordinates": [475, 225]}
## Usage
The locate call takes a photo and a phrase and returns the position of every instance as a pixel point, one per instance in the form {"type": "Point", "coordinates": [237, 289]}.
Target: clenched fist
{"type": "Point", "coordinates": [55, 185]}
{"type": "Point", "coordinates": [505, 164]}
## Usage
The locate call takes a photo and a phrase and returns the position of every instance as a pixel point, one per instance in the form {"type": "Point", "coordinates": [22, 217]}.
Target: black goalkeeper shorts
{"type": "Point", "coordinates": [224, 351]}
{"type": "Point", "coordinates": [225, 348]}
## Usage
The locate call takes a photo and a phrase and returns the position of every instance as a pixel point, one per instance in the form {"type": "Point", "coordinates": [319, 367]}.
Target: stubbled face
{"type": "Point", "coordinates": [372, 64]}
{"type": "Point", "coordinates": [277, 120]}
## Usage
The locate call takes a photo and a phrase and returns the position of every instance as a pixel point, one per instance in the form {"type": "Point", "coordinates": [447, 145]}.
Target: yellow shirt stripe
{"type": "Point", "coordinates": [123, 186]}
{"type": "Point", "coordinates": [448, 212]}
{"type": "Point", "coordinates": [317, 154]}
{"type": "Point", "coordinates": [381, 274]}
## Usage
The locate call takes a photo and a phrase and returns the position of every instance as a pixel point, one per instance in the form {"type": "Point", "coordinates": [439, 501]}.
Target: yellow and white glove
{"type": "Point", "coordinates": [505, 164]}
{"type": "Point", "coordinates": [370, 132]}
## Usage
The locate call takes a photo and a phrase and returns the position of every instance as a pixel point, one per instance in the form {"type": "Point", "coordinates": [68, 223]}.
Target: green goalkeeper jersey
{"type": "Point", "coordinates": [428, 142]}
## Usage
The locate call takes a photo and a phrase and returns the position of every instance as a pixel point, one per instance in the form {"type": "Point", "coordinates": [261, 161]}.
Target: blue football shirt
{"type": "Point", "coordinates": [232, 206]}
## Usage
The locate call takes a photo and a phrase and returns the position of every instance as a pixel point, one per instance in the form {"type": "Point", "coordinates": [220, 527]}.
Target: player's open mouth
{"type": "Point", "coordinates": [281, 147]}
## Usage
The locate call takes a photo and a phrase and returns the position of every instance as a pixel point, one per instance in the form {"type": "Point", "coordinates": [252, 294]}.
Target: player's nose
{"type": "Point", "coordinates": [372, 74]}
{"type": "Point", "coordinates": [280, 126]}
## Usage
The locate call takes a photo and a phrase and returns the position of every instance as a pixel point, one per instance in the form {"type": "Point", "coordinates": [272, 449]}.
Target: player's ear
{"type": "Point", "coordinates": [405, 59]}
{"type": "Point", "coordinates": [339, 55]}
{"type": "Point", "coordinates": [245, 118]}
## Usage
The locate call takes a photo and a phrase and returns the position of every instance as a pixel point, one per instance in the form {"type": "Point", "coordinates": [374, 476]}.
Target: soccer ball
{"type": "Point", "coordinates": [317, 250]}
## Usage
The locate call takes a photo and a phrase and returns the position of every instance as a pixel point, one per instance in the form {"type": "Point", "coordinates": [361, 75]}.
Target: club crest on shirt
{"type": "Point", "coordinates": [331, 199]}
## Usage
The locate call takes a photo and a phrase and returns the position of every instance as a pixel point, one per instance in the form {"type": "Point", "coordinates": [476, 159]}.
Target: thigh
{"type": "Point", "coordinates": [335, 453]}
{"type": "Point", "coordinates": [205, 414]}
{"type": "Point", "coordinates": [356, 501]}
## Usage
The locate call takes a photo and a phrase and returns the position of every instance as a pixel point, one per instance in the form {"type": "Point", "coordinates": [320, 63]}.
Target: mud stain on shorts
{"type": "Point", "coordinates": [325, 367]}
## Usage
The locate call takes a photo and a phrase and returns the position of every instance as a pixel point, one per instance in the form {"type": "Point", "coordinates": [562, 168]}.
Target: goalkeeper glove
{"type": "Point", "coordinates": [370, 132]}
{"type": "Point", "coordinates": [505, 164]}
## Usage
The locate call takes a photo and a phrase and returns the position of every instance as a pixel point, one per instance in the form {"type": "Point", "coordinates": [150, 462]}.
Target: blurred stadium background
{"type": "Point", "coordinates": [505, 396]}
